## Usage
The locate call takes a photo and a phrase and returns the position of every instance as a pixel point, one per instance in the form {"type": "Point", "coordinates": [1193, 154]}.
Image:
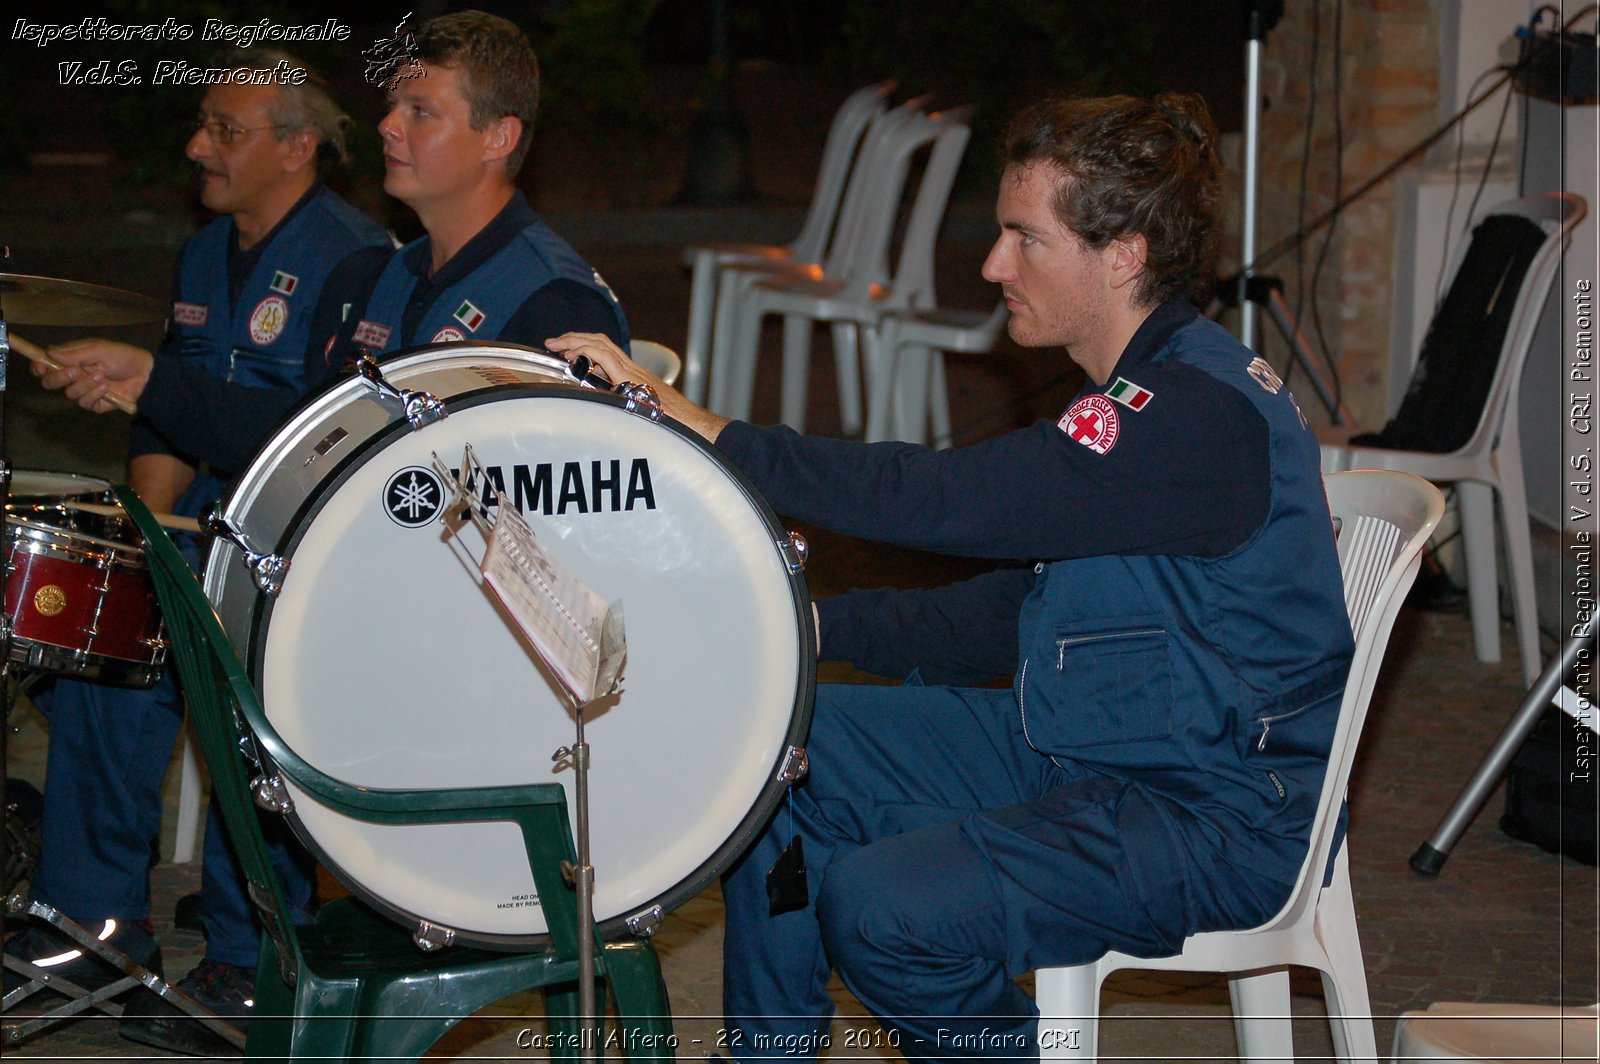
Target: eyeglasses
{"type": "Point", "coordinates": [223, 134]}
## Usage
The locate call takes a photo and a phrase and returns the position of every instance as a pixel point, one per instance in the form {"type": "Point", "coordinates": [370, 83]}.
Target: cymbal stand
{"type": "Point", "coordinates": [5, 568]}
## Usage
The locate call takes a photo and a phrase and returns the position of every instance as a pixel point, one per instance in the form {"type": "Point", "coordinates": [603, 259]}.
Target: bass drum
{"type": "Point", "coordinates": [385, 661]}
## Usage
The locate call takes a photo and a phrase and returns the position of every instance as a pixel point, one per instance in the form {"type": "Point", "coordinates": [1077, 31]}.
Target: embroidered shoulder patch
{"type": "Point", "coordinates": [190, 313]}
{"type": "Point", "coordinates": [1130, 394]}
{"type": "Point", "coordinates": [469, 315]}
{"type": "Point", "coordinates": [1261, 370]}
{"type": "Point", "coordinates": [268, 319]}
{"type": "Point", "coordinates": [1092, 421]}
{"type": "Point", "coordinates": [448, 335]}
{"type": "Point", "coordinates": [371, 334]}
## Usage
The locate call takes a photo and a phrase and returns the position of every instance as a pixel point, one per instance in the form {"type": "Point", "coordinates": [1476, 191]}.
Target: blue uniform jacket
{"type": "Point", "coordinates": [1180, 620]}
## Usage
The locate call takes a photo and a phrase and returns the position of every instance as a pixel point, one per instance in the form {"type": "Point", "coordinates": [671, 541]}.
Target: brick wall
{"type": "Point", "coordinates": [1389, 63]}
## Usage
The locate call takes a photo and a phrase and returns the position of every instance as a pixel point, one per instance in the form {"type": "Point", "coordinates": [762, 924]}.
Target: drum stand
{"type": "Point", "coordinates": [581, 876]}
{"type": "Point", "coordinates": [79, 999]}
{"type": "Point", "coordinates": [1549, 689]}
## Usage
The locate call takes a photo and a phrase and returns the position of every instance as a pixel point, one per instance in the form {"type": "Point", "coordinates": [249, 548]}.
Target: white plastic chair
{"type": "Point", "coordinates": [191, 795]}
{"type": "Point", "coordinates": [859, 289]}
{"type": "Point", "coordinates": [659, 359]}
{"type": "Point", "coordinates": [1465, 1031]}
{"type": "Point", "coordinates": [1384, 520]}
{"type": "Point", "coordinates": [874, 179]}
{"type": "Point", "coordinates": [906, 390]}
{"type": "Point", "coordinates": [704, 260]}
{"type": "Point", "coordinates": [1490, 462]}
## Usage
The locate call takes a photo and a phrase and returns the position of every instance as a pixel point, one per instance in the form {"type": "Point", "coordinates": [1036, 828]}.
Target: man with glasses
{"type": "Point", "coordinates": [256, 295]}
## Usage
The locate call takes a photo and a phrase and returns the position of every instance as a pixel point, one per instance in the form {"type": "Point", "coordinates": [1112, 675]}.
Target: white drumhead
{"type": "Point", "coordinates": [44, 484]}
{"type": "Point", "coordinates": [385, 662]}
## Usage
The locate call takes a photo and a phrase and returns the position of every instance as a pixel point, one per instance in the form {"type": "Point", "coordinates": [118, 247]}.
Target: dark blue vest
{"type": "Point", "coordinates": [1188, 674]}
{"type": "Point", "coordinates": [261, 339]}
{"type": "Point", "coordinates": [481, 304]}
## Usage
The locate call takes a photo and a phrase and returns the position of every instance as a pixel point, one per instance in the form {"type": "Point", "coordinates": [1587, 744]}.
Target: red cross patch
{"type": "Point", "coordinates": [1092, 421]}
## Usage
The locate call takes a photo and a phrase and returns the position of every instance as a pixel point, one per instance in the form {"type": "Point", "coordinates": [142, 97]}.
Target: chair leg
{"type": "Point", "coordinates": [726, 373]}
{"type": "Point", "coordinates": [796, 370]}
{"type": "Point", "coordinates": [1261, 1017]}
{"type": "Point", "coordinates": [644, 1017]}
{"type": "Point", "coordinates": [881, 366]}
{"type": "Point", "coordinates": [734, 362]}
{"type": "Point", "coordinates": [696, 348]}
{"type": "Point", "coordinates": [188, 803]}
{"type": "Point", "coordinates": [1069, 1012]}
{"type": "Point", "coordinates": [938, 400]}
{"type": "Point", "coordinates": [1344, 975]}
{"type": "Point", "coordinates": [847, 367]}
{"type": "Point", "coordinates": [1519, 561]}
{"type": "Point", "coordinates": [1476, 502]}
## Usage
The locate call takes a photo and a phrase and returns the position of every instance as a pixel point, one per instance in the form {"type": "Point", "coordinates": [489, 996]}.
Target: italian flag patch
{"type": "Point", "coordinates": [1130, 394]}
{"type": "Point", "coordinates": [469, 315]}
{"type": "Point", "coordinates": [284, 282]}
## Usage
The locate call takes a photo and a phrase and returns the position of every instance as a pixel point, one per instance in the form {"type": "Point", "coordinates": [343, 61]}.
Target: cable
{"type": "Point", "coordinates": [1455, 190]}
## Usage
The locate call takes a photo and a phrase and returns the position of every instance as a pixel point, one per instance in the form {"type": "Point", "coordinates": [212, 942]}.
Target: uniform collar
{"type": "Point", "coordinates": [1152, 335]}
{"type": "Point", "coordinates": [513, 218]}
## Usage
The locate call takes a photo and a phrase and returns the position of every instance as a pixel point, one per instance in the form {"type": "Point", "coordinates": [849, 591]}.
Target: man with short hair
{"type": "Point", "coordinates": [252, 293]}
{"type": "Point", "coordinates": [1172, 617]}
{"type": "Point", "coordinates": [458, 129]}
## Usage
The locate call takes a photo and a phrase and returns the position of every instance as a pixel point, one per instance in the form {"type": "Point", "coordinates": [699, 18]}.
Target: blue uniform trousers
{"type": "Point", "coordinates": [108, 753]}
{"type": "Point", "coordinates": [944, 857]}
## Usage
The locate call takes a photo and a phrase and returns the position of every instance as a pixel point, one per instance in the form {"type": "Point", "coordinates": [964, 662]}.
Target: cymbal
{"type": "Point", "coordinates": [47, 301]}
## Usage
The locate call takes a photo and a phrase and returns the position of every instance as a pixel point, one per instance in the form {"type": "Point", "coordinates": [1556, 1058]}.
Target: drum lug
{"type": "Point", "coordinates": [641, 399]}
{"type": "Point", "coordinates": [795, 551]}
{"type": "Point", "coordinates": [419, 408]}
{"type": "Point", "coordinates": [431, 938]}
{"type": "Point", "coordinates": [645, 922]}
{"type": "Point", "coordinates": [794, 766]}
{"type": "Point", "coordinates": [271, 795]}
{"type": "Point", "coordinates": [268, 569]}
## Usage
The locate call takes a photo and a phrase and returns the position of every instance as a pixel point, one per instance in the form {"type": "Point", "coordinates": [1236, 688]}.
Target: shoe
{"type": "Point", "coordinates": [44, 946]}
{"type": "Point", "coordinates": [226, 989]}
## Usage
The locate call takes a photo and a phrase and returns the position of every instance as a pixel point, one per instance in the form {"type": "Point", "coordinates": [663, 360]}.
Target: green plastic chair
{"type": "Point", "coordinates": [352, 984]}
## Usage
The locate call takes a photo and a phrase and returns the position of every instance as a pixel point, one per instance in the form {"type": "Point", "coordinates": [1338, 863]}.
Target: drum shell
{"type": "Point", "coordinates": [327, 524]}
{"type": "Point", "coordinates": [45, 497]}
{"type": "Point", "coordinates": [81, 606]}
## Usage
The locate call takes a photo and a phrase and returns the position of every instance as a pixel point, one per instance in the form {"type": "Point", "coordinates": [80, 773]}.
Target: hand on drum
{"type": "Point", "coordinates": [605, 354]}
{"type": "Point", "coordinates": [91, 370]}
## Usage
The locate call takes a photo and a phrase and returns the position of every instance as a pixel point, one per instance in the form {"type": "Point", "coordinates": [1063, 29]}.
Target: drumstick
{"type": "Point", "coordinates": [184, 524]}
{"type": "Point", "coordinates": [34, 353]}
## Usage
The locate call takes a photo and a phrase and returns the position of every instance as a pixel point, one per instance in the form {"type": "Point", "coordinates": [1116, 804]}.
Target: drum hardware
{"type": "Point", "coordinates": [270, 794]}
{"type": "Point", "coordinates": [420, 408]}
{"type": "Point", "coordinates": [431, 939]}
{"type": "Point", "coordinates": [795, 550]}
{"type": "Point", "coordinates": [795, 765]}
{"type": "Point", "coordinates": [641, 399]}
{"type": "Point", "coordinates": [267, 569]}
{"type": "Point", "coordinates": [646, 922]}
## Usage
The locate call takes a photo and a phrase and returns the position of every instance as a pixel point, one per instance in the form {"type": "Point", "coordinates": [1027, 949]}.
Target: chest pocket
{"type": "Point", "coordinates": [261, 370]}
{"type": "Point", "coordinates": [1111, 685]}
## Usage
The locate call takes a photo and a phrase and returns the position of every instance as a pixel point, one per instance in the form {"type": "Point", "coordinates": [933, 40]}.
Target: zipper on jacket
{"type": "Point", "coordinates": [1078, 640]}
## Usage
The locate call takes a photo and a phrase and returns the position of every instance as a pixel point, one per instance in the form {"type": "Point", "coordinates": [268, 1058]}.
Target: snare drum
{"type": "Point", "coordinates": [385, 661]}
{"type": "Point", "coordinates": [46, 497]}
{"type": "Point", "coordinates": [81, 606]}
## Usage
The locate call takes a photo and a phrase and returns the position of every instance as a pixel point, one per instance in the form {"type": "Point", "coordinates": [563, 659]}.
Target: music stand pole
{"type": "Point", "coordinates": [1260, 16]}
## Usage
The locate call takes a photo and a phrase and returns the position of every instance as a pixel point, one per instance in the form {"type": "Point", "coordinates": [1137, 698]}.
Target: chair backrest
{"type": "Point", "coordinates": [1463, 392]}
{"type": "Point", "coordinates": [1382, 519]}
{"type": "Point", "coordinates": [659, 359]}
{"type": "Point", "coordinates": [867, 177]}
{"type": "Point", "coordinates": [913, 275]}
{"type": "Point", "coordinates": [838, 152]}
{"type": "Point", "coordinates": [863, 264]}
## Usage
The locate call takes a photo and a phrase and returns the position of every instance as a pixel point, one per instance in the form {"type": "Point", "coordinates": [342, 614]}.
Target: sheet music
{"type": "Point", "coordinates": [575, 632]}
